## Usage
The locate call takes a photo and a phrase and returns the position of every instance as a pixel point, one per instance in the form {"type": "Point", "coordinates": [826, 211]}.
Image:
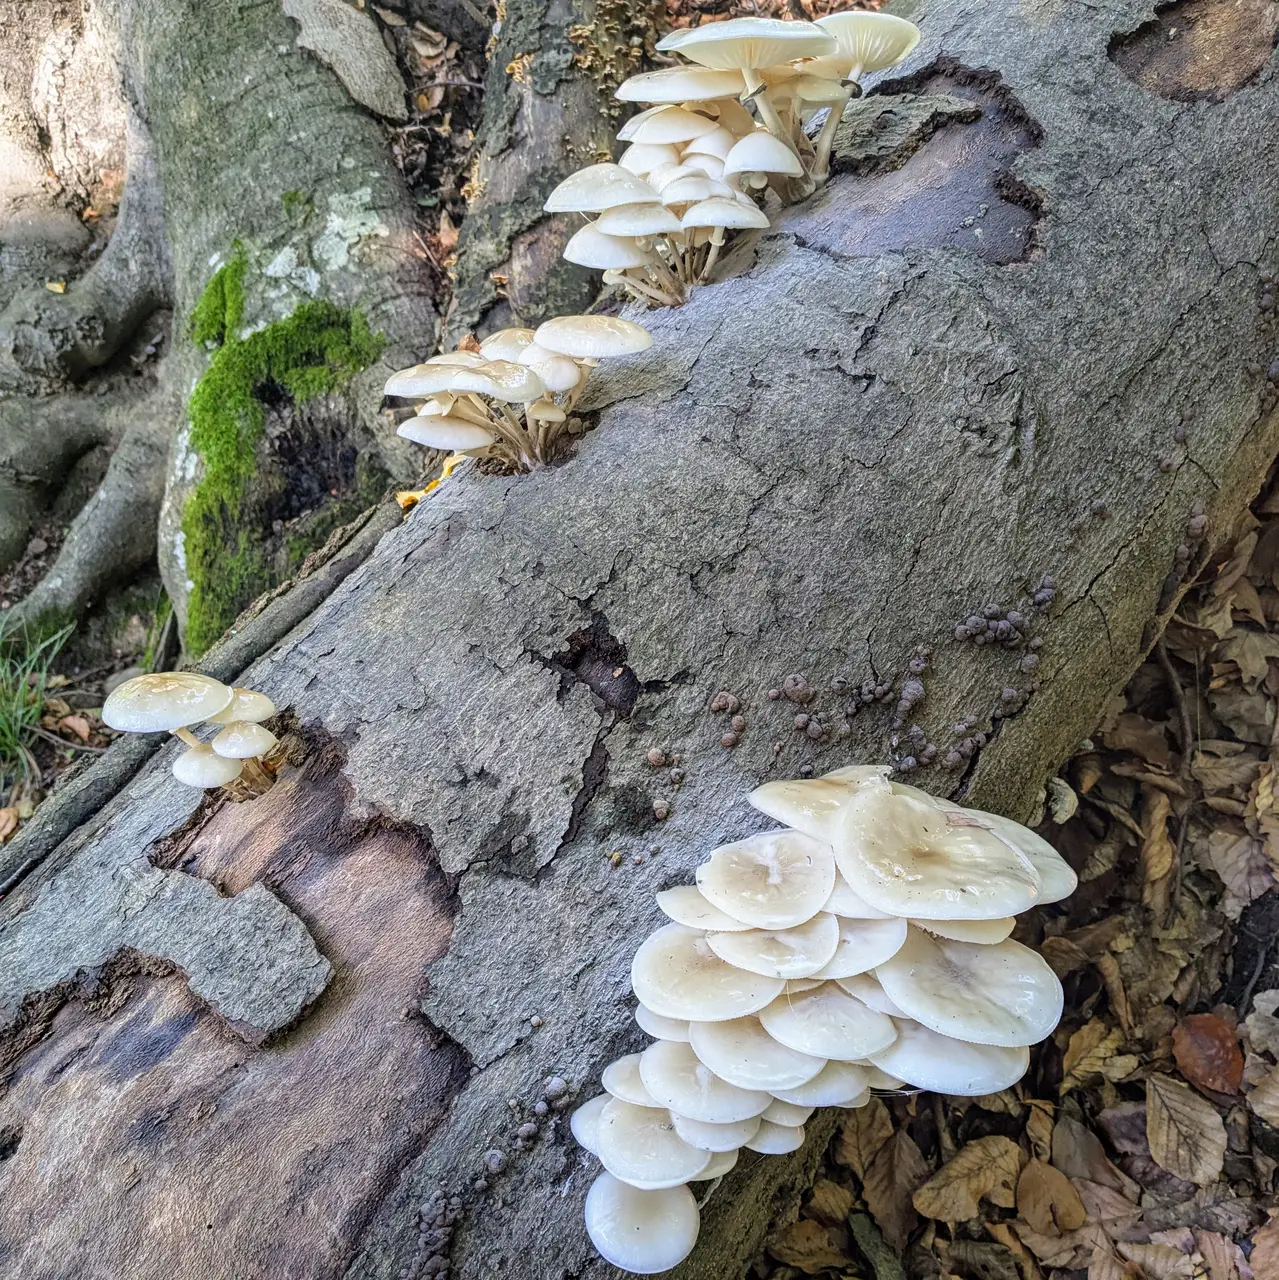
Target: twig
{"type": "Point", "coordinates": [63, 742]}
{"type": "Point", "coordinates": [1183, 772]}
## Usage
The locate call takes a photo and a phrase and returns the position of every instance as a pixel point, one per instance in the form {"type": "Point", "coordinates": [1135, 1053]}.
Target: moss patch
{"type": "Point", "coordinates": [311, 353]}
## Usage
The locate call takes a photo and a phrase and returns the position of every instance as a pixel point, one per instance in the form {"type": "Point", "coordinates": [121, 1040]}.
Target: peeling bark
{"type": "Point", "coordinates": [825, 465]}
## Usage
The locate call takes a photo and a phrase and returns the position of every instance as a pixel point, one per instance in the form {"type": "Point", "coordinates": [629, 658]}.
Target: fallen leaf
{"type": "Point", "coordinates": [1261, 1024]}
{"type": "Point", "coordinates": [980, 1258]}
{"type": "Point", "coordinates": [1264, 1098]}
{"type": "Point", "coordinates": [1264, 1258]}
{"type": "Point", "coordinates": [1087, 1054]}
{"type": "Point", "coordinates": [1186, 1135]}
{"type": "Point", "coordinates": [1142, 737]}
{"type": "Point", "coordinates": [1158, 854]}
{"type": "Point", "coordinates": [447, 234]}
{"type": "Point", "coordinates": [830, 1204]}
{"type": "Point", "coordinates": [1078, 1153]}
{"type": "Point", "coordinates": [1159, 1261]}
{"type": "Point", "coordinates": [1207, 1053]}
{"type": "Point", "coordinates": [1221, 1256]}
{"type": "Point", "coordinates": [8, 822]}
{"type": "Point", "coordinates": [986, 1168]}
{"type": "Point", "coordinates": [1039, 1127]}
{"type": "Point", "coordinates": [807, 1245]}
{"type": "Point", "coordinates": [1106, 1266]}
{"type": "Point", "coordinates": [1241, 861]}
{"type": "Point", "coordinates": [56, 286]}
{"type": "Point", "coordinates": [77, 725]}
{"type": "Point", "coordinates": [1047, 1200]}
{"type": "Point", "coordinates": [861, 1135]}
{"type": "Point", "coordinates": [896, 1171]}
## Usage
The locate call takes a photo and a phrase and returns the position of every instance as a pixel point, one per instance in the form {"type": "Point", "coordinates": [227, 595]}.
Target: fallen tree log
{"type": "Point", "coordinates": [1015, 366]}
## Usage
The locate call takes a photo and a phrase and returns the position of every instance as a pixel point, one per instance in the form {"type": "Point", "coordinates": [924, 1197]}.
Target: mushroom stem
{"type": "Point", "coordinates": [187, 736]}
{"type": "Point", "coordinates": [520, 437]}
{"type": "Point", "coordinates": [717, 239]}
{"type": "Point", "coordinates": [756, 91]}
{"type": "Point", "coordinates": [666, 279]}
{"type": "Point", "coordinates": [648, 291]}
{"type": "Point", "coordinates": [820, 168]}
{"type": "Point", "coordinates": [256, 777]}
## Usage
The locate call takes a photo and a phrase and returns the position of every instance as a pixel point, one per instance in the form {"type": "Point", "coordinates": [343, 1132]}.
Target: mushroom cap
{"type": "Point", "coordinates": [545, 410]}
{"type": "Point", "coordinates": [810, 804]}
{"type": "Point", "coordinates": [590, 247]}
{"type": "Point", "coordinates": [627, 132]}
{"type": "Point", "coordinates": [882, 1080]}
{"type": "Point", "coordinates": [442, 431]}
{"type": "Point", "coordinates": [202, 767]}
{"type": "Point", "coordinates": [983, 931]}
{"type": "Point", "coordinates": [685, 905]}
{"type": "Point", "coordinates": [923, 1058]}
{"type": "Point", "coordinates": [1001, 994]}
{"type": "Point", "coordinates": [716, 1138]}
{"type": "Point", "coordinates": [708, 166]}
{"type": "Point", "coordinates": [718, 143]}
{"type": "Point", "coordinates": [734, 117]}
{"type": "Point", "coordinates": [828, 1023]}
{"type": "Point", "coordinates": [676, 974]}
{"type": "Point", "coordinates": [743, 1053]}
{"type": "Point", "coordinates": [597, 187]}
{"type": "Point", "coordinates": [502, 380]}
{"type": "Point", "coordinates": [772, 880]}
{"type": "Point", "coordinates": [593, 337]}
{"type": "Point", "coordinates": [639, 1145]}
{"type": "Point", "coordinates": [776, 1139]}
{"type": "Point", "coordinates": [677, 84]}
{"type": "Point", "coordinates": [671, 124]}
{"type": "Point", "coordinates": [645, 1232]}
{"type": "Point", "coordinates": [798, 952]}
{"type": "Point", "coordinates": [622, 1080]}
{"type": "Point", "coordinates": [795, 985]}
{"type": "Point", "coordinates": [584, 1123]}
{"type": "Point", "coordinates": [863, 944]}
{"type": "Point", "coordinates": [164, 701]}
{"type": "Point", "coordinates": [558, 373]}
{"type": "Point", "coordinates": [845, 901]}
{"type": "Point", "coordinates": [642, 158]}
{"type": "Point", "coordinates": [761, 152]}
{"type": "Point", "coordinates": [719, 211]}
{"type": "Point", "coordinates": [866, 988]}
{"type": "Point", "coordinates": [786, 1113]}
{"type": "Point", "coordinates": [835, 1085]}
{"type": "Point", "coordinates": [637, 220]}
{"type": "Point", "coordinates": [813, 88]}
{"type": "Point", "coordinates": [659, 1027]}
{"type": "Point", "coordinates": [245, 704]}
{"type": "Point", "coordinates": [865, 43]}
{"type": "Point", "coordinates": [695, 188]}
{"type": "Point", "coordinates": [679, 1080]}
{"type": "Point", "coordinates": [665, 174]}
{"type": "Point", "coordinates": [505, 344]}
{"type": "Point", "coordinates": [1057, 877]}
{"type": "Point", "coordinates": [721, 1163]}
{"type": "Point", "coordinates": [466, 359]}
{"type": "Point", "coordinates": [754, 42]}
{"type": "Point", "coordinates": [907, 856]}
{"type": "Point", "coordinates": [421, 380]}
{"type": "Point", "coordinates": [242, 740]}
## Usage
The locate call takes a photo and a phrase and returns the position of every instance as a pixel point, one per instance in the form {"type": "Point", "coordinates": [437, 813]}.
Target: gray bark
{"type": "Point", "coordinates": [1042, 349]}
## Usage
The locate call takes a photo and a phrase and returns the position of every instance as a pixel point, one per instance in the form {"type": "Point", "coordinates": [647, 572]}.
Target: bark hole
{"type": "Point", "coordinates": [1199, 50]}
{"type": "Point", "coordinates": [597, 659]}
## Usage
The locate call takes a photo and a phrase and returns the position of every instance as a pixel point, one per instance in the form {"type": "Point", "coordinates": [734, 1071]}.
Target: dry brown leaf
{"type": "Point", "coordinates": [1241, 861]}
{"type": "Point", "coordinates": [807, 1245]}
{"type": "Point", "coordinates": [831, 1204]}
{"type": "Point", "coordinates": [1078, 1153]}
{"type": "Point", "coordinates": [1264, 1099]}
{"type": "Point", "coordinates": [1142, 737]}
{"type": "Point", "coordinates": [1087, 1054]}
{"type": "Point", "coordinates": [8, 822]}
{"type": "Point", "coordinates": [1112, 977]}
{"type": "Point", "coordinates": [77, 725]}
{"type": "Point", "coordinates": [987, 1167]}
{"type": "Point", "coordinates": [1264, 1258]}
{"type": "Point", "coordinates": [861, 1134]}
{"type": "Point", "coordinates": [1048, 1201]}
{"type": "Point", "coordinates": [1039, 1127]}
{"type": "Point", "coordinates": [1106, 1266]}
{"type": "Point", "coordinates": [1221, 1256]}
{"type": "Point", "coordinates": [1207, 1053]}
{"type": "Point", "coordinates": [890, 1182]}
{"type": "Point", "coordinates": [1159, 1261]}
{"type": "Point", "coordinates": [1186, 1135]}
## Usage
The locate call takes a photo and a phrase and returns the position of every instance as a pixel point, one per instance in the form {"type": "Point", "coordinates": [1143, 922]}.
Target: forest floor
{"type": "Point", "coordinates": [1143, 1143]}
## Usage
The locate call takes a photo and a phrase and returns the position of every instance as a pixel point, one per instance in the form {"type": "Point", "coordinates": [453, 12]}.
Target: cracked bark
{"type": "Point", "coordinates": [825, 462]}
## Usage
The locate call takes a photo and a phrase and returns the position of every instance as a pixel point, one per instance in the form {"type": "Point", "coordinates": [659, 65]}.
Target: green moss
{"type": "Point", "coordinates": [312, 352]}
{"type": "Point", "coordinates": [296, 203]}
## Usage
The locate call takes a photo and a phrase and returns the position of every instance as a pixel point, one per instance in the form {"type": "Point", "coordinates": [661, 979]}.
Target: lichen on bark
{"type": "Point", "coordinates": [314, 351]}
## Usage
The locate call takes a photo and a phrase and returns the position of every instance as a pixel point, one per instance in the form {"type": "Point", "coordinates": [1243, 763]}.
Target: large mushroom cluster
{"type": "Point", "coordinates": [699, 161]}
{"type": "Point", "coordinates": [511, 399]}
{"type": "Point", "coordinates": [865, 945]}
{"type": "Point", "coordinates": [174, 701]}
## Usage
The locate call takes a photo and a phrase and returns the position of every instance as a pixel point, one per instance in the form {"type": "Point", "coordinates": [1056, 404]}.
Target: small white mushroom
{"type": "Point", "coordinates": [677, 84]}
{"type": "Point", "coordinates": [716, 1138]}
{"type": "Point", "coordinates": [245, 704]}
{"type": "Point", "coordinates": [798, 952]}
{"type": "Point", "coordinates": [165, 702]}
{"type": "Point", "coordinates": [590, 247]}
{"type": "Point", "coordinates": [743, 1053]}
{"type": "Point", "coordinates": [776, 1139]}
{"type": "Point", "coordinates": [693, 188]}
{"type": "Point", "coordinates": [811, 804]}
{"type": "Point", "coordinates": [845, 901]}
{"type": "Point", "coordinates": [927, 1060]}
{"type": "Point", "coordinates": [599, 187]}
{"type": "Point", "coordinates": [716, 144]}
{"type": "Point", "coordinates": [671, 125]}
{"type": "Point", "coordinates": [1000, 994]}
{"type": "Point", "coordinates": [593, 337]}
{"type": "Point", "coordinates": [643, 157]}
{"type": "Point", "coordinates": [763, 153]}
{"type": "Point", "coordinates": [627, 132]}
{"type": "Point", "coordinates": [686, 905]}
{"type": "Point", "coordinates": [984, 931]}
{"type": "Point", "coordinates": [505, 380]}
{"type": "Point", "coordinates": [866, 988]}
{"type": "Point", "coordinates": [505, 344]}
{"type": "Point", "coordinates": [828, 1023]}
{"type": "Point", "coordinates": [721, 1163]}
{"type": "Point", "coordinates": [446, 432]}
{"type": "Point", "coordinates": [659, 1027]}
{"type": "Point", "coordinates": [242, 740]}
{"type": "Point", "coordinates": [675, 973]}
{"type": "Point", "coordinates": [786, 1113]}
{"type": "Point", "coordinates": [622, 1080]}
{"type": "Point", "coordinates": [862, 945]}
{"type": "Point", "coordinates": [881, 1079]}
{"type": "Point", "coordinates": [773, 880]}
{"type": "Point", "coordinates": [636, 220]}
{"type": "Point", "coordinates": [200, 766]}
{"type": "Point", "coordinates": [584, 1123]}
{"type": "Point", "coordinates": [709, 166]}
{"type": "Point", "coordinates": [644, 1232]}
{"type": "Point", "coordinates": [837, 1084]}
{"type": "Point", "coordinates": [639, 1145]}
{"type": "Point", "coordinates": [680, 1081]}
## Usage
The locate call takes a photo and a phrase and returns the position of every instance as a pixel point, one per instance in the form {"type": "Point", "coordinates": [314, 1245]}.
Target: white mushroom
{"type": "Point", "coordinates": [643, 157]}
{"type": "Point", "coordinates": [828, 1023]}
{"type": "Point", "coordinates": [504, 380]}
{"type": "Point", "coordinates": [593, 337]}
{"type": "Point", "coordinates": [675, 973]}
{"type": "Point", "coordinates": [242, 740]}
{"type": "Point", "coordinates": [923, 1058]}
{"type": "Point", "coordinates": [743, 1053]}
{"type": "Point", "coordinates": [1000, 994]}
{"type": "Point", "coordinates": [837, 1084]}
{"type": "Point", "coordinates": [862, 945]}
{"type": "Point", "coordinates": [439, 431]}
{"type": "Point", "coordinates": [686, 905]}
{"type": "Point", "coordinates": [622, 1080]}
{"type": "Point", "coordinates": [680, 1081]}
{"type": "Point", "coordinates": [761, 151]}
{"type": "Point", "coordinates": [599, 187]}
{"type": "Point", "coordinates": [810, 804]}
{"type": "Point", "coordinates": [659, 1027]}
{"type": "Point", "coordinates": [716, 1138]}
{"type": "Point", "coordinates": [721, 1163]}
{"type": "Point", "coordinates": [845, 901]}
{"type": "Point", "coordinates": [639, 1145]}
{"type": "Point", "coordinates": [201, 766]}
{"type": "Point", "coordinates": [165, 702]}
{"type": "Point", "coordinates": [866, 988]}
{"type": "Point", "coordinates": [773, 880]}
{"type": "Point", "coordinates": [717, 144]}
{"type": "Point", "coordinates": [584, 1123]}
{"type": "Point", "coordinates": [505, 344]}
{"type": "Point", "coordinates": [798, 952]}
{"type": "Point", "coordinates": [588, 246]}
{"type": "Point", "coordinates": [671, 124]}
{"type": "Point", "coordinates": [776, 1139]}
{"type": "Point", "coordinates": [245, 704]}
{"type": "Point", "coordinates": [677, 84]}
{"type": "Point", "coordinates": [644, 1232]}
{"type": "Point", "coordinates": [636, 220]}
{"type": "Point", "coordinates": [627, 132]}
{"type": "Point", "coordinates": [719, 214]}
{"type": "Point", "coordinates": [984, 931]}
{"type": "Point", "coordinates": [786, 1113]}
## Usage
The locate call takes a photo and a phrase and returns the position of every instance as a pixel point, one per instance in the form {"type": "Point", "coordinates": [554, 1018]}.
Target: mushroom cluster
{"type": "Point", "coordinates": [173, 701]}
{"type": "Point", "coordinates": [471, 402]}
{"type": "Point", "coordinates": [865, 945]}
{"type": "Point", "coordinates": [699, 160]}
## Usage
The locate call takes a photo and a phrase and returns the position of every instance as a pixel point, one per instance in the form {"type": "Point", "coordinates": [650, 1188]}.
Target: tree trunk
{"type": "Point", "coordinates": [1015, 356]}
